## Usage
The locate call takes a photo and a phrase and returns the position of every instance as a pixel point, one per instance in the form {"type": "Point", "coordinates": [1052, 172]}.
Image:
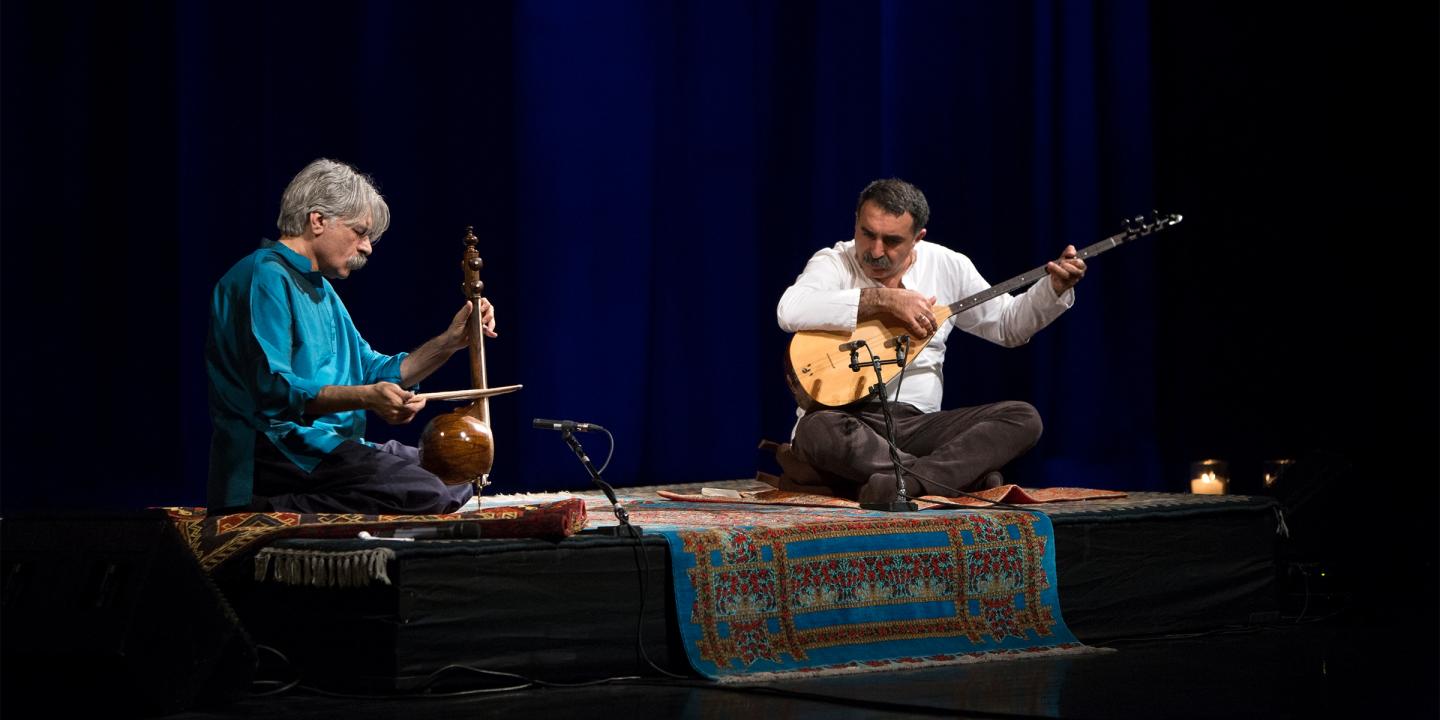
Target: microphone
{"type": "Point", "coordinates": [565, 425]}
{"type": "Point", "coordinates": [569, 428]}
{"type": "Point", "coordinates": [851, 346]}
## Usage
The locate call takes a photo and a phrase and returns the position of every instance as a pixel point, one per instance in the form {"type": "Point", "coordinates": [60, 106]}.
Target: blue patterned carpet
{"type": "Point", "coordinates": [766, 591]}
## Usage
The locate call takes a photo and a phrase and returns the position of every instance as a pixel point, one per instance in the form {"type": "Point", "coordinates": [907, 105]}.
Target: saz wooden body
{"type": "Point", "coordinates": [817, 368]}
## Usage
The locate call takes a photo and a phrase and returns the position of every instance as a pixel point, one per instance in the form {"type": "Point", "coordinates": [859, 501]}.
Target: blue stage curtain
{"type": "Point", "coordinates": [676, 163]}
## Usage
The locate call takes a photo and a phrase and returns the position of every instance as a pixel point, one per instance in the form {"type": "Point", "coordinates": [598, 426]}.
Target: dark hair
{"type": "Point", "coordinates": [897, 197]}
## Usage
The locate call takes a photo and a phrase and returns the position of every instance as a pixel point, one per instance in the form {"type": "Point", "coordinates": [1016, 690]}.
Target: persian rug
{"type": "Point", "coordinates": [1010, 494]}
{"type": "Point", "coordinates": [223, 539]}
{"type": "Point", "coordinates": [768, 591]}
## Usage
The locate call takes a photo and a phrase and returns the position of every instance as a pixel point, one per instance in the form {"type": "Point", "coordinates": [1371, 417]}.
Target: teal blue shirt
{"type": "Point", "coordinates": [279, 333]}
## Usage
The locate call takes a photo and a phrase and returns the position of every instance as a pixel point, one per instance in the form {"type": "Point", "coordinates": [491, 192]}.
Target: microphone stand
{"type": "Point", "coordinates": [901, 502]}
{"type": "Point", "coordinates": [624, 528]}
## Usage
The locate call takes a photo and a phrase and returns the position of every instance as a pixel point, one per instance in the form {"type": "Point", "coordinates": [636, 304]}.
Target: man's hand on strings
{"type": "Point", "coordinates": [916, 311]}
{"type": "Point", "coordinates": [457, 336]}
{"type": "Point", "coordinates": [1066, 271]}
{"type": "Point", "coordinates": [487, 317]}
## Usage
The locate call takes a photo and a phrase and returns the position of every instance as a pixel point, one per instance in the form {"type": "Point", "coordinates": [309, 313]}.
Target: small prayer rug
{"type": "Point", "coordinates": [224, 538]}
{"type": "Point", "coordinates": [767, 592]}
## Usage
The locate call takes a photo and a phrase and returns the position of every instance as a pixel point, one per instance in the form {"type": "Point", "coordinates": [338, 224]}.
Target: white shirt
{"type": "Point", "coordinates": [826, 296]}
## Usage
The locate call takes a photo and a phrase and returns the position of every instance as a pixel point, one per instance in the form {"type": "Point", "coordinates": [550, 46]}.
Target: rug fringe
{"type": "Point", "coordinates": [353, 568]}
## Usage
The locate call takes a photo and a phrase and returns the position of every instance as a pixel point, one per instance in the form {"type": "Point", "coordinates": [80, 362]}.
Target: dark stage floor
{"type": "Point", "coordinates": [1356, 663]}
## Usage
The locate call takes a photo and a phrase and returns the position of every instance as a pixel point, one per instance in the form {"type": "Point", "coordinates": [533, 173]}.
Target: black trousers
{"type": "Point", "coordinates": [353, 478]}
{"type": "Point", "coordinates": [951, 447]}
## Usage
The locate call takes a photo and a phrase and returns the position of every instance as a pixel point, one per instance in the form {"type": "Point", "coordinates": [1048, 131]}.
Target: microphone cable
{"type": "Point", "coordinates": [637, 548]}
{"type": "Point", "coordinates": [608, 455]}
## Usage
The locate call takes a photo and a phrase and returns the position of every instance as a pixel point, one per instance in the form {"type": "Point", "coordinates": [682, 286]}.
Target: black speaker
{"type": "Point", "coordinates": [113, 612]}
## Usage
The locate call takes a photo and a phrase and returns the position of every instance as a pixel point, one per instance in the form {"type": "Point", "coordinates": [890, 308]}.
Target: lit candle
{"type": "Point", "coordinates": [1211, 477]}
{"type": "Point", "coordinates": [1207, 484]}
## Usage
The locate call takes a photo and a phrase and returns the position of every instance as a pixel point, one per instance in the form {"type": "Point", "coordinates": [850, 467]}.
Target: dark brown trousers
{"type": "Point", "coordinates": [954, 448]}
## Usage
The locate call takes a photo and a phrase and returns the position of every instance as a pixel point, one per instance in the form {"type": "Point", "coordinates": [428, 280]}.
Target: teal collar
{"type": "Point", "coordinates": [299, 262]}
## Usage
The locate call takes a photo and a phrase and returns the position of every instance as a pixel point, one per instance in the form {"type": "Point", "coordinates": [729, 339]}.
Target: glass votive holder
{"type": "Point", "coordinates": [1209, 477]}
{"type": "Point", "coordinates": [1274, 470]}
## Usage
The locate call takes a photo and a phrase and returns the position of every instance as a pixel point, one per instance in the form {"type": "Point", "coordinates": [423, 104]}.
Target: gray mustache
{"type": "Point", "coordinates": [882, 262]}
{"type": "Point", "coordinates": [357, 262]}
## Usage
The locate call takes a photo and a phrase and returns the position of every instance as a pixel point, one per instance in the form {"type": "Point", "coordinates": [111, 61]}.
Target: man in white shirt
{"type": "Point", "coordinates": [887, 272]}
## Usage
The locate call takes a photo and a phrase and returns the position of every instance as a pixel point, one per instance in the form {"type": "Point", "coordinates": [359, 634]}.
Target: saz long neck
{"type": "Point", "coordinates": [1031, 277]}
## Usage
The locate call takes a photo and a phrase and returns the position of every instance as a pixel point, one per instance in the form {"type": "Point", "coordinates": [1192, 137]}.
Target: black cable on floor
{"type": "Point", "coordinates": [896, 707]}
{"type": "Point", "coordinates": [644, 572]}
{"type": "Point", "coordinates": [422, 691]}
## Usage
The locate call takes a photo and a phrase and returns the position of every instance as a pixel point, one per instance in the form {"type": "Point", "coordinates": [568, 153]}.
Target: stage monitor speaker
{"type": "Point", "coordinates": [113, 612]}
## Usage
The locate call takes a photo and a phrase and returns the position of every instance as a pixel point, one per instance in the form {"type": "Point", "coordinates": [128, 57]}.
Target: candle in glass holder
{"type": "Point", "coordinates": [1209, 477]}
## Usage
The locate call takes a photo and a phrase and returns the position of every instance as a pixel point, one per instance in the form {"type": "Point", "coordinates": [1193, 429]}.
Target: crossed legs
{"type": "Point", "coordinates": [955, 448]}
{"type": "Point", "coordinates": [353, 478]}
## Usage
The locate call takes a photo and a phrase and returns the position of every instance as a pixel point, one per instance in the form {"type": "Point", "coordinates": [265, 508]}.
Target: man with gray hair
{"type": "Point", "coordinates": [886, 272]}
{"type": "Point", "coordinates": [291, 378]}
